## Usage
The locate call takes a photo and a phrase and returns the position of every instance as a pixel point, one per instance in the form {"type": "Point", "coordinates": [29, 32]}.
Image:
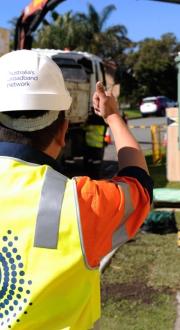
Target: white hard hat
{"type": "Point", "coordinates": [30, 81]}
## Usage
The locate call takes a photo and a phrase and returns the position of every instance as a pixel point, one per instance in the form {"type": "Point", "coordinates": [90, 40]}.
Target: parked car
{"type": "Point", "coordinates": [156, 105]}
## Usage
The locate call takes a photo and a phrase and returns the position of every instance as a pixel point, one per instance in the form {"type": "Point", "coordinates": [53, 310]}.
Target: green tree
{"type": "Point", "coordinates": [61, 32]}
{"type": "Point", "coordinates": [151, 68]}
{"type": "Point", "coordinates": [12, 23]}
{"type": "Point", "coordinates": [107, 42]}
{"type": "Point", "coordinates": [85, 32]}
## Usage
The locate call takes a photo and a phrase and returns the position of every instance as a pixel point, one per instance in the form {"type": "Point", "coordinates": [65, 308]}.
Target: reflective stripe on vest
{"type": "Point", "coordinates": [120, 236]}
{"type": "Point", "coordinates": [46, 286]}
{"type": "Point", "coordinates": [47, 224]}
{"type": "Point", "coordinates": [95, 135]}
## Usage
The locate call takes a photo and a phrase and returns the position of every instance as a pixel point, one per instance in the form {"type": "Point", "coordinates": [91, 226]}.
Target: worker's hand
{"type": "Point", "coordinates": [104, 103]}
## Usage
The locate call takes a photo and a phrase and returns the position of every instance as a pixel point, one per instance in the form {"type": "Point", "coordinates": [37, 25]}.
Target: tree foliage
{"type": "Point", "coordinates": [150, 68]}
{"type": "Point", "coordinates": [85, 32]}
{"type": "Point", "coordinates": [145, 68]}
{"type": "Point", "coordinates": [107, 42]}
{"type": "Point", "coordinates": [12, 23]}
{"type": "Point", "coordinates": [61, 32]}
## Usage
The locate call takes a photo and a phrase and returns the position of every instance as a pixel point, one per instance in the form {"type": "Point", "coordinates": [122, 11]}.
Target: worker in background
{"type": "Point", "coordinates": [54, 230]}
{"type": "Point", "coordinates": [97, 137]}
{"type": "Point", "coordinates": [95, 130]}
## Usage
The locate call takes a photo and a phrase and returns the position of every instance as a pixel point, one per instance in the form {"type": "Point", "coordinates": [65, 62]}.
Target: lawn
{"type": "Point", "coordinates": [132, 113]}
{"type": "Point", "coordinates": [139, 286]}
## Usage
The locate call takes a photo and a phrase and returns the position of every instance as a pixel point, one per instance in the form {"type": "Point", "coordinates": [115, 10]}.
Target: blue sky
{"type": "Point", "coordinates": [142, 18]}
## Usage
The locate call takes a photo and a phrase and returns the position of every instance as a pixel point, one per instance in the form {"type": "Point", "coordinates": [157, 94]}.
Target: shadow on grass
{"type": "Point", "coordinates": [157, 171]}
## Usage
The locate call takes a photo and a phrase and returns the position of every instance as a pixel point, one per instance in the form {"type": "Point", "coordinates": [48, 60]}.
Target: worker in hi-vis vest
{"type": "Point", "coordinates": [55, 230]}
{"type": "Point", "coordinates": [95, 130]}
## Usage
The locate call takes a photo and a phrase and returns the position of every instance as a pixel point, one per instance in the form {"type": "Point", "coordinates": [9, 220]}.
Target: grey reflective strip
{"type": "Point", "coordinates": [120, 236]}
{"type": "Point", "coordinates": [79, 226]}
{"type": "Point", "coordinates": [48, 218]}
{"type": "Point", "coordinates": [105, 260]}
{"type": "Point", "coordinates": [79, 222]}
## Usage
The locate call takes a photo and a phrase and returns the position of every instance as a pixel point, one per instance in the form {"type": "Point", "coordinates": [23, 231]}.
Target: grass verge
{"type": "Point", "coordinates": [139, 287]}
{"type": "Point", "coordinates": [132, 113]}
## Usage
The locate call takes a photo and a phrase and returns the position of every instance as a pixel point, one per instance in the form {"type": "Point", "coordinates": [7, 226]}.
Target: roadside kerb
{"type": "Point", "coordinates": [146, 126]}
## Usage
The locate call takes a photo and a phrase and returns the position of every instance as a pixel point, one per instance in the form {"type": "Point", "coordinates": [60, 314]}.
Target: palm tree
{"type": "Point", "coordinates": [96, 38]}
{"type": "Point", "coordinates": [61, 32]}
{"type": "Point", "coordinates": [85, 32]}
{"type": "Point", "coordinates": [93, 20]}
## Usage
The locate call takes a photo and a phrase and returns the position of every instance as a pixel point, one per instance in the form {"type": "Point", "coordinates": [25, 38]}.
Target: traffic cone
{"type": "Point", "coordinates": [107, 137]}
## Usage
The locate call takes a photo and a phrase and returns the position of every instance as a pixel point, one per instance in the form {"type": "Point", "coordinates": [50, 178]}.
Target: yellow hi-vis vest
{"type": "Point", "coordinates": [95, 136]}
{"type": "Point", "coordinates": [44, 281]}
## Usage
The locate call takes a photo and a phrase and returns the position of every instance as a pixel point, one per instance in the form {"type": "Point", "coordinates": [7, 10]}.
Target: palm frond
{"type": "Point", "coordinates": [117, 29]}
{"type": "Point", "coordinates": [105, 14]}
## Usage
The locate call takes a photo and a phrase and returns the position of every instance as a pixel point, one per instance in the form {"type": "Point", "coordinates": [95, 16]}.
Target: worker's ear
{"type": "Point", "coordinates": [60, 136]}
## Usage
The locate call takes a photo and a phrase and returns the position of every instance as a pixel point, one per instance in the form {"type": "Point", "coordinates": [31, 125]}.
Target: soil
{"type": "Point", "coordinates": [131, 291]}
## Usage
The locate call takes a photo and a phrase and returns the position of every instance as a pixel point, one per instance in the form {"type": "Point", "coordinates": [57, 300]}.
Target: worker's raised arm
{"type": "Point", "coordinates": [128, 150]}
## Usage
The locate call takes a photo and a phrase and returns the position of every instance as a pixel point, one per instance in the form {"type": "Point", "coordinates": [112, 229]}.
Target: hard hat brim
{"type": "Point", "coordinates": [50, 102]}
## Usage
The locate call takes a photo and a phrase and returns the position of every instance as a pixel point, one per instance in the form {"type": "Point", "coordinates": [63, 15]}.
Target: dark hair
{"type": "Point", "coordinates": [39, 139]}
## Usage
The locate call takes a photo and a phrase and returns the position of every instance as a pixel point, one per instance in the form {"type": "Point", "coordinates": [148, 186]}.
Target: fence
{"type": "Point", "coordinates": [158, 135]}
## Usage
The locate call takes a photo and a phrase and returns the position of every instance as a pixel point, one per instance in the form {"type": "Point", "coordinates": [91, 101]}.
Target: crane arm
{"type": "Point", "coordinates": [30, 19]}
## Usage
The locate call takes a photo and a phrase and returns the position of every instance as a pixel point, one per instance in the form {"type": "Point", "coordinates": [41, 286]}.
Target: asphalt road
{"type": "Point", "coordinates": [141, 129]}
{"type": "Point", "coordinates": [143, 134]}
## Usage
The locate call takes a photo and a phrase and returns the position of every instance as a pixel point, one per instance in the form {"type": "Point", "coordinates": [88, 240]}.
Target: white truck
{"type": "Point", "coordinates": [81, 71]}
